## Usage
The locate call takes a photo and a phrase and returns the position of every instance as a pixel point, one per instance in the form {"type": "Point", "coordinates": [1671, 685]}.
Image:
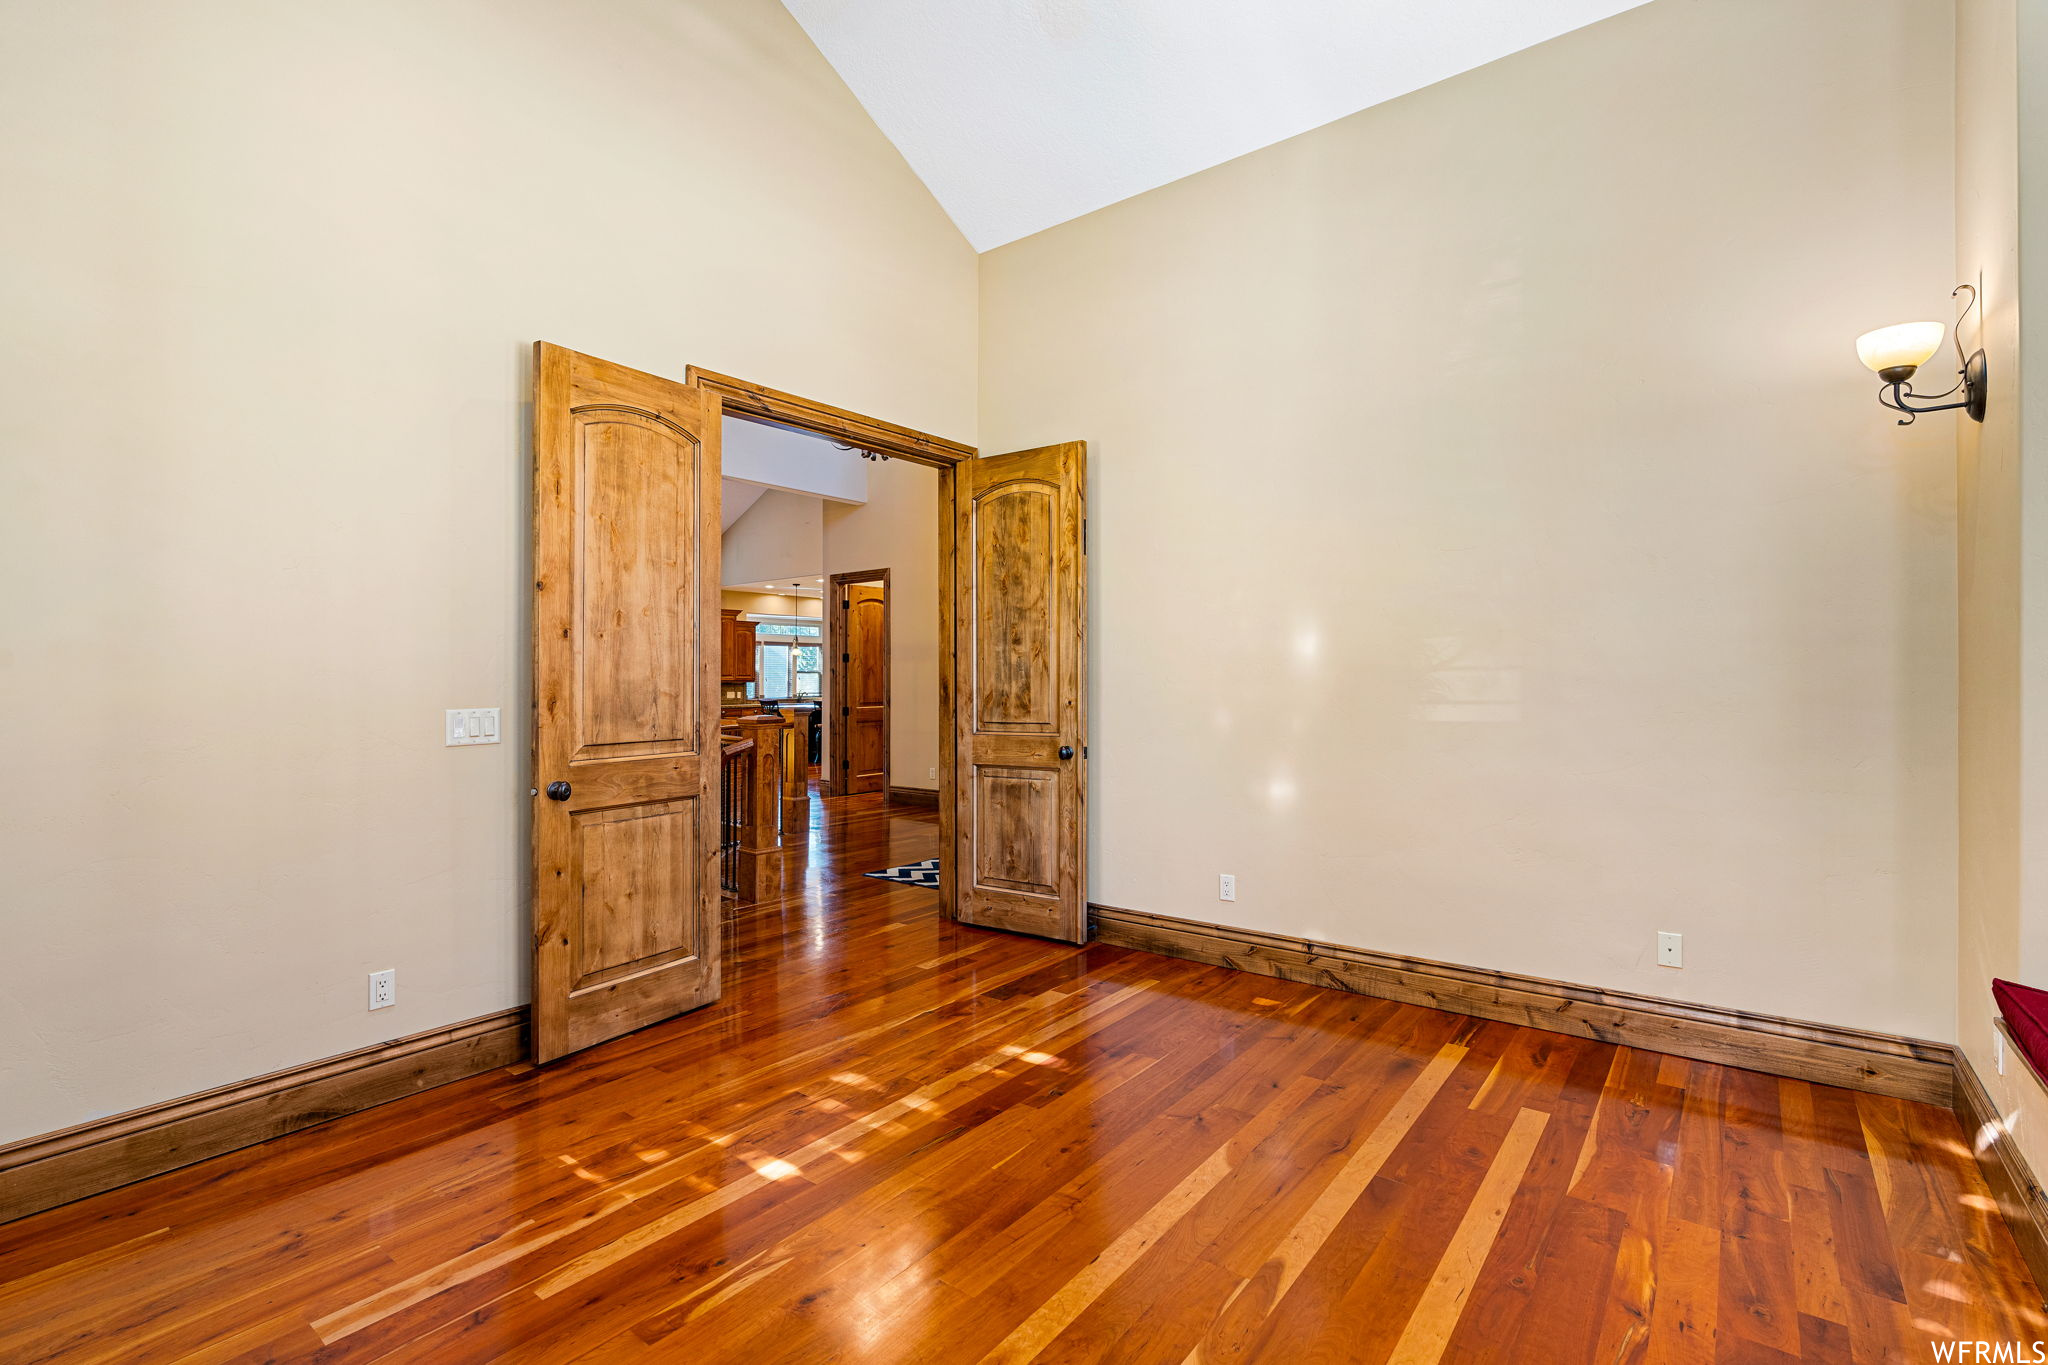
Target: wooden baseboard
{"type": "Point", "coordinates": [1883, 1063]}
{"type": "Point", "coordinates": [56, 1168]}
{"type": "Point", "coordinates": [913, 796]}
{"type": "Point", "coordinates": [2012, 1181]}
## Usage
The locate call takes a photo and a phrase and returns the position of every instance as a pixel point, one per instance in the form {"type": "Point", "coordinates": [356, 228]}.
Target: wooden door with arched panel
{"type": "Point", "coordinates": [625, 696]}
{"type": "Point", "coordinates": [1020, 641]}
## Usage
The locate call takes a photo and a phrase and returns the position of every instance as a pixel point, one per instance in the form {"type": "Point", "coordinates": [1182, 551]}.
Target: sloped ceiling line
{"type": "Point", "coordinates": [1022, 114]}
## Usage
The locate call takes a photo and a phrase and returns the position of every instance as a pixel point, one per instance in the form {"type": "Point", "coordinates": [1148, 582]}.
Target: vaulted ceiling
{"type": "Point", "coordinates": [737, 498]}
{"type": "Point", "coordinates": [1020, 114]}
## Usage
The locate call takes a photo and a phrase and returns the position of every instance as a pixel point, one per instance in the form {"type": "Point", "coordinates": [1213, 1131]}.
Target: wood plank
{"type": "Point", "coordinates": [1429, 1327]}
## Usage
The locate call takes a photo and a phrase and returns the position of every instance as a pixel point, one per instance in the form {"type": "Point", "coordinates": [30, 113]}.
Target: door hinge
{"type": "Point", "coordinates": [846, 763]}
{"type": "Point", "coordinates": [1084, 535]}
{"type": "Point", "coordinates": [845, 710]}
{"type": "Point", "coordinates": [846, 658]}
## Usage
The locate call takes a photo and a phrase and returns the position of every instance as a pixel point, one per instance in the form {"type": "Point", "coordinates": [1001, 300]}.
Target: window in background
{"type": "Point", "coordinates": [789, 657]}
{"type": "Point", "coordinates": [773, 671]}
{"type": "Point", "coordinates": [787, 669]}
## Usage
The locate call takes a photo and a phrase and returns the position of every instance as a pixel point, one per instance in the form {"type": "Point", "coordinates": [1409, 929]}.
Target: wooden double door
{"type": "Point", "coordinates": [626, 669]}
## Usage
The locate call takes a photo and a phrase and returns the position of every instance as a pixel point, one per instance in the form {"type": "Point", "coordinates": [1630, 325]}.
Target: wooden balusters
{"type": "Point", "coordinates": [734, 772]}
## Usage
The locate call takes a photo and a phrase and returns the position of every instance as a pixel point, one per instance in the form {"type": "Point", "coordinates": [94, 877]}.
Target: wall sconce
{"type": "Point", "coordinates": [1896, 352]}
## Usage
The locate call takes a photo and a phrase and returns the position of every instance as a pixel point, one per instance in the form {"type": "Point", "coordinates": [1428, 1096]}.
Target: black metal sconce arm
{"type": "Point", "coordinates": [1970, 380]}
{"type": "Point", "coordinates": [1895, 394]}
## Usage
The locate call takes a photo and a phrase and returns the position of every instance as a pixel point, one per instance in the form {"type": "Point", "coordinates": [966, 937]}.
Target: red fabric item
{"type": "Point", "coordinates": [2026, 1016]}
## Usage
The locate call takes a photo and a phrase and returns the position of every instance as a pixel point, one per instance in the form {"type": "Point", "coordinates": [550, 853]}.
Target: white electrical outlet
{"type": "Point", "coordinates": [1226, 886]}
{"type": "Point", "coordinates": [1998, 1049]}
{"type": "Point", "coordinates": [384, 988]}
{"type": "Point", "coordinates": [473, 725]}
{"type": "Point", "coordinates": [1670, 950]}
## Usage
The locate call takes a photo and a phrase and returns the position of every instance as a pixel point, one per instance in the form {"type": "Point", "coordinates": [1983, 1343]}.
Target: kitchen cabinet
{"type": "Point", "coordinates": [736, 648]}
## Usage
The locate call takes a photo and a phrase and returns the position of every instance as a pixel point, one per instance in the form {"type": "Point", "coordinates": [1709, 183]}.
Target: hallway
{"type": "Point", "coordinates": [899, 1139]}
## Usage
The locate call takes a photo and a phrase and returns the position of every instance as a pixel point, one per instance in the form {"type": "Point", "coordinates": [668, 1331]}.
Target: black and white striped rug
{"type": "Point", "coordinates": [925, 874]}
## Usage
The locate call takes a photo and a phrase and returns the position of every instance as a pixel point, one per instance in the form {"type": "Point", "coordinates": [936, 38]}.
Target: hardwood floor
{"type": "Point", "coordinates": [899, 1139]}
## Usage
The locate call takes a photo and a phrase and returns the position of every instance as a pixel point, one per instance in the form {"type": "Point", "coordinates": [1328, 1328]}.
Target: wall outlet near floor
{"type": "Point", "coordinates": [1998, 1049]}
{"type": "Point", "coordinates": [473, 725]}
{"type": "Point", "coordinates": [384, 988]}
{"type": "Point", "coordinates": [1671, 950]}
{"type": "Point", "coordinates": [1226, 886]}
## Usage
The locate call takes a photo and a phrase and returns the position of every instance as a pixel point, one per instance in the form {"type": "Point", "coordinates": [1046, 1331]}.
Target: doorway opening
{"type": "Point", "coordinates": [772, 590]}
{"type": "Point", "coordinates": [848, 654]}
{"type": "Point", "coordinates": [964, 589]}
{"type": "Point", "coordinates": [833, 581]}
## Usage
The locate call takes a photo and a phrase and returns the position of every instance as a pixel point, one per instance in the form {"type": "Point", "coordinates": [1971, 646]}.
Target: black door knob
{"type": "Point", "coordinates": [558, 791]}
{"type": "Point", "coordinates": [1066, 751]}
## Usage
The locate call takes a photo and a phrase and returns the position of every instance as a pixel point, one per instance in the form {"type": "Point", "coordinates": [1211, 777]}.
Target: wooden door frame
{"type": "Point", "coordinates": [903, 443]}
{"type": "Point", "coordinates": [835, 674]}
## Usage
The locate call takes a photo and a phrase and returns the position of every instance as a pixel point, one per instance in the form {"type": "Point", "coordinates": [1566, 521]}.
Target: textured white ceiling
{"type": "Point", "coordinates": [1020, 114]}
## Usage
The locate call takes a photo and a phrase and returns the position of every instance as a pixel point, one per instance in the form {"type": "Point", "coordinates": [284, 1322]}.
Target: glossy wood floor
{"type": "Point", "coordinates": [901, 1140]}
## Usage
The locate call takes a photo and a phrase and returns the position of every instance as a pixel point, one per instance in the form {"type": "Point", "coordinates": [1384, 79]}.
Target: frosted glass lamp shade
{"type": "Point", "coordinates": [1905, 347]}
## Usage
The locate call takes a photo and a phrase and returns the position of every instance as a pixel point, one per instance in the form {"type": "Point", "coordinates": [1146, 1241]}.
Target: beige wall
{"type": "Point", "coordinates": [2003, 544]}
{"type": "Point", "coordinates": [1498, 554]}
{"type": "Point", "coordinates": [781, 537]}
{"type": "Point", "coordinates": [897, 529]}
{"type": "Point", "coordinates": [2031, 395]}
{"type": "Point", "coordinates": [273, 273]}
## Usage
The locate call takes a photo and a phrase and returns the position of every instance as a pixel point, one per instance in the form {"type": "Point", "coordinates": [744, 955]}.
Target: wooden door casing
{"type": "Point", "coordinates": [942, 455]}
{"type": "Point", "coordinates": [627, 658]}
{"type": "Point", "coordinates": [1019, 621]}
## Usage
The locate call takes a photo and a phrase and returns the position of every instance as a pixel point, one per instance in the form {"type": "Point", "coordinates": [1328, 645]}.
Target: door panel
{"type": "Point", "coordinates": [626, 667]}
{"type": "Point", "coordinates": [637, 488]}
{"type": "Point", "coordinates": [635, 914]}
{"type": "Point", "coordinates": [1013, 658]}
{"type": "Point", "coordinates": [1016, 827]}
{"type": "Point", "coordinates": [867, 687]}
{"type": "Point", "coordinates": [1020, 613]}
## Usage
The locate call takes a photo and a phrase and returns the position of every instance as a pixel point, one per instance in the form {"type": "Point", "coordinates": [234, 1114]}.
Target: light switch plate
{"type": "Point", "coordinates": [473, 725]}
